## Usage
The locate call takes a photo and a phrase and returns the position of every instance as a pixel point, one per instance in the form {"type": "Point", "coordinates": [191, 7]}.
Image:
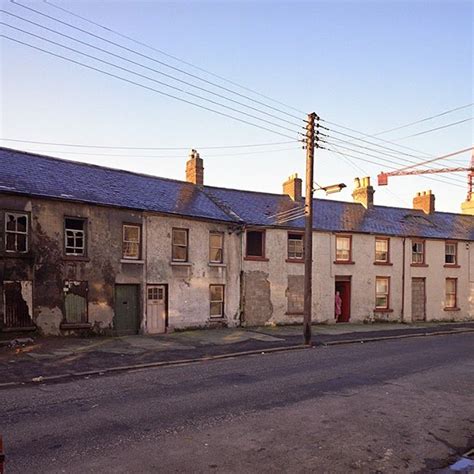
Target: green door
{"type": "Point", "coordinates": [126, 319]}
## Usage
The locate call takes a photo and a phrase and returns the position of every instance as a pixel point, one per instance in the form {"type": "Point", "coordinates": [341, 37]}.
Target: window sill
{"type": "Point", "coordinates": [181, 264]}
{"type": "Point", "coordinates": [451, 309]}
{"type": "Point", "coordinates": [131, 260]}
{"type": "Point", "coordinates": [419, 265]}
{"type": "Point", "coordinates": [217, 318]}
{"type": "Point", "coordinates": [75, 326]}
{"type": "Point", "coordinates": [256, 259]}
{"type": "Point", "coordinates": [290, 313]}
{"type": "Point", "coordinates": [345, 262]}
{"type": "Point", "coordinates": [383, 310]}
{"type": "Point", "coordinates": [294, 260]}
{"type": "Point", "coordinates": [451, 265]}
{"type": "Point", "coordinates": [72, 258]}
{"type": "Point", "coordinates": [218, 265]}
{"type": "Point", "coordinates": [387, 264]}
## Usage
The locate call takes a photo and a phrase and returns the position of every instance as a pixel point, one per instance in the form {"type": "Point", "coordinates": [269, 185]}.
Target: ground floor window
{"type": "Point", "coordinates": [75, 302]}
{"type": "Point", "coordinates": [382, 292]}
{"type": "Point", "coordinates": [216, 293]}
{"type": "Point", "coordinates": [451, 293]}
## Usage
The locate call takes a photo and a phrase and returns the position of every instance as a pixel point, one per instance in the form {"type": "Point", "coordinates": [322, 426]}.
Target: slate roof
{"type": "Point", "coordinates": [31, 174]}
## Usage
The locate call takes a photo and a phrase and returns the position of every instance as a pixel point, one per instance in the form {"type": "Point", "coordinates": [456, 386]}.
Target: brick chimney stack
{"type": "Point", "coordinates": [293, 187]}
{"type": "Point", "coordinates": [363, 192]}
{"type": "Point", "coordinates": [195, 169]}
{"type": "Point", "coordinates": [425, 202]}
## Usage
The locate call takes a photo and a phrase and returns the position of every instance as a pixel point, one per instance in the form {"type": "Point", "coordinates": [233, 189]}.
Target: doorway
{"type": "Point", "coordinates": [343, 285]}
{"type": "Point", "coordinates": [126, 318]}
{"type": "Point", "coordinates": [156, 309]}
{"type": "Point", "coordinates": [418, 299]}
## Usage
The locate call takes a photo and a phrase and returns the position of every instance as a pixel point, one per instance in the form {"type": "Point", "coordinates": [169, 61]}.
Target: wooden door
{"type": "Point", "coordinates": [126, 318]}
{"type": "Point", "coordinates": [156, 309]}
{"type": "Point", "coordinates": [418, 299]}
{"type": "Point", "coordinates": [344, 288]}
{"type": "Point", "coordinates": [18, 304]}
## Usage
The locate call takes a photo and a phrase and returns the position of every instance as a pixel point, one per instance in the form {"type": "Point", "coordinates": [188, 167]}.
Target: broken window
{"type": "Point", "coordinates": [18, 304]}
{"type": "Point", "coordinates": [451, 293]}
{"type": "Point", "coordinates": [450, 253]}
{"type": "Point", "coordinates": [216, 293]}
{"type": "Point", "coordinates": [16, 232]}
{"type": "Point", "coordinates": [131, 241]}
{"type": "Point", "coordinates": [343, 248]}
{"type": "Point", "coordinates": [382, 292]}
{"type": "Point", "coordinates": [255, 243]}
{"type": "Point", "coordinates": [75, 236]}
{"type": "Point", "coordinates": [216, 247]}
{"type": "Point", "coordinates": [180, 245]}
{"type": "Point", "coordinates": [418, 252]}
{"type": "Point", "coordinates": [295, 246]}
{"type": "Point", "coordinates": [75, 301]}
{"type": "Point", "coordinates": [382, 250]}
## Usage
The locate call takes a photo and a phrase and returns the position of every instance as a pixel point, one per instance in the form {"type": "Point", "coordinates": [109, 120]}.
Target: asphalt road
{"type": "Point", "coordinates": [405, 405]}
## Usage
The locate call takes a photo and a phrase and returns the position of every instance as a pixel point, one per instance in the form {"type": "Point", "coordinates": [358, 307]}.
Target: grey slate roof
{"type": "Point", "coordinates": [30, 174]}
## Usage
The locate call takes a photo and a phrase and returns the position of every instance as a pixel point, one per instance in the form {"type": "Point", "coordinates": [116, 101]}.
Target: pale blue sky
{"type": "Point", "coordinates": [366, 65]}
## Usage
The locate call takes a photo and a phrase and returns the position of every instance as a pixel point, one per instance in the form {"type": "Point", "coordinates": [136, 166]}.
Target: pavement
{"type": "Point", "coordinates": [37, 359]}
{"type": "Point", "coordinates": [402, 405]}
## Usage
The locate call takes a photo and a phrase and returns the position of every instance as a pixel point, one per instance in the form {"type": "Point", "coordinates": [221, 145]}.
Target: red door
{"type": "Point", "coordinates": [344, 288]}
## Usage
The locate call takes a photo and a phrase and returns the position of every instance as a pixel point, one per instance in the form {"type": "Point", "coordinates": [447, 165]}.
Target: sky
{"type": "Point", "coordinates": [369, 66]}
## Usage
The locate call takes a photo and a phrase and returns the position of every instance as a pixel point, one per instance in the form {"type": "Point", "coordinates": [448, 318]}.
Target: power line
{"type": "Point", "coordinates": [146, 87]}
{"type": "Point", "coordinates": [437, 128]}
{"type": "Point", "coordinates": [150, 58]}
{"type": "Point", "coordinates": [148, 148]}
{"type": "Point", "coordinates": [170, 76]}
{"type": "Point", "coordinates": [426, 119]}
{"type": "Point", "coordinates": [172, 57]}
{"type": "Point", "coordinates": [151, 79]}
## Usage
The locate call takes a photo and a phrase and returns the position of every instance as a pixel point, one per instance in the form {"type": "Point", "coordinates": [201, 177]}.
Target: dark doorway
{"type": "Point", "coordinates": [18, 306]}
{"type": "Point", "coordinates": [344, 288]}
{"type": "Point", "coordinates": [126, 318]}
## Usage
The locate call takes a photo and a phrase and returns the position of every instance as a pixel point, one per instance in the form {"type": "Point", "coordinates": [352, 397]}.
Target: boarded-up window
{"type": "Point", "coordinates": [216, 294]}
{"type": "Point", "coordinates": [75, 236]}
{"type": "Point", "coordinates": [295, 294]}
{"type": "Point", "coordinates": [131, 241]}
{"type": "Point", "coordinates": [75, 302]}
{"type": "Point", "coordinates": [18, 304]}
{"type": "Point", "coordinates": [16, 232]}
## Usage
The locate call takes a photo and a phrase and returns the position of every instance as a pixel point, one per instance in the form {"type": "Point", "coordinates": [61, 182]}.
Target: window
{"type": "Point", "coordinates": [382, 291]}
{"type": "Point", "coordinates": [343, 248]}
{"type": "Point", "coordinates": [180, 245]}
{"type": "Point", "coordinates": [216, 293]}
{"type": "Point", "coordinates": [451, 293]}
{"type": "Point", "coordinates": [74, 236]}
{"type": "Point", "coordinates": [450, 253]}
{"type": "Point", "coordinates": [255, 244]}
{"type": "Point", "coordinates": [295, 246]}
{"type": "Point", "coordinates": [131, 241]}
{"type": "Point", "coordinates": [418, 252]}
{"type": "Point", "coordinates": [16, 232]}
{"type": "Point", "coordinates": [382, 250]}
{"type": "Point", "coordinates": [216, 247]}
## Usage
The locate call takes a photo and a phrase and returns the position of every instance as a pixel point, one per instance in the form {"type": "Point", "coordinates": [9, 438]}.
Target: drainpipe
{"type": "Point", "coordinates": [403, 282]}
{"type": "Point", "coordinates": [241, 277]}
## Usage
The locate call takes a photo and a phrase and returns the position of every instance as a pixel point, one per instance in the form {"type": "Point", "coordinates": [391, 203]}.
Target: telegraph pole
{"type": "Point", "coordinates": [308, 233]}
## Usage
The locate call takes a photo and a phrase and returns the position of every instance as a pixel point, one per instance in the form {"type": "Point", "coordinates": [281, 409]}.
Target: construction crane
{"type": "Point", "coordinates": [408, 170]}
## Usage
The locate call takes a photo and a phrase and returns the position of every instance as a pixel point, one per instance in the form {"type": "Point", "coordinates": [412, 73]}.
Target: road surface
{"type": "Point", "coordinates": [404, 405]}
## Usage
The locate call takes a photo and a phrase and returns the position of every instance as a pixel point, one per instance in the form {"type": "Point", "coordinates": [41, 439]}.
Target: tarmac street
{"type": "Point", "coordinates": [400, 405]}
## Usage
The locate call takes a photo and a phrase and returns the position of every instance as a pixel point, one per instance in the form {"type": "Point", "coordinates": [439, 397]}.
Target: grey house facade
{"type": "Point", "coordinates": [85, 248]}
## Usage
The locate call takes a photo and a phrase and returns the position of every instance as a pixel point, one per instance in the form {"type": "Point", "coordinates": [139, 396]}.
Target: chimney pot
{"type": "Point", "coordinates": [195, 168]}
{"type": "Point", "coordinates": [363, 192]}
{"type": "Point", "coordinates": [293, 187]}
{"type": "Point", "coordinates": [424, 201]}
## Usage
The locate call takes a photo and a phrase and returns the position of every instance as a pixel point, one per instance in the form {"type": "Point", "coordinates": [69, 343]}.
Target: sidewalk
{"type": "Point", "coordinates": [45, 358]}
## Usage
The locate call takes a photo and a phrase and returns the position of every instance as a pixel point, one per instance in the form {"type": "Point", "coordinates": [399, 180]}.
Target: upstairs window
{"type": "Point", "coordinates": [255, 244]}
{"type": "Point", "coordinates": [16, 232]}
{"type": "Point", "coordinates": [180, 245]}
{"type": "Point", "coordinates": [343, 248]}
{"type": "Point", "coordinates": [382, 246]}
{"type": "Point", "coordinates": [75, 236]}
{"type": "Point", "coordinates": [131, 241]}
{"type": "Point", "coordinates": [418, 252]}
{"type": "Point", "coordinates": [450, 253]}
{"type": "Point", "coordinates": [295, 246]}
{"type": "Point", "coordinates": [216, 247]}
{"type": "Point", "coordinates": [451, 293]}
{"type": "Point", "coordinates": [382, 292]}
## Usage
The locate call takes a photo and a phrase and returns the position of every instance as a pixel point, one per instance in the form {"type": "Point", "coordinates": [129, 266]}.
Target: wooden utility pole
{"type": "Point", "coordinates": [308, 233]}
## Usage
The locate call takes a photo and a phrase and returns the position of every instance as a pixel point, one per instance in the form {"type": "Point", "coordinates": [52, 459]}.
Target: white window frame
{"type": "Point", "coordinates": [127, 243]}
{"type": "Point", "coordinates": [211, 247]}
{"type": "Point", "coordinates": [16, 232]}
{"type": "Point", "coordinates": [220, 301]}
{"type": "Point", "coordinates": [455, 253]}
{"type": "Point", "coordinates": [386, 240]}
{"type": "Point", "coordinates": [75, 234]}
{"type": "Point", "coordinates": [185, 245]}
{"type": "Point", "coordinates": [343, 238]}
{"type": "Point", "coordinates": [294, 253]}
{"type": "Point", "coordinates": [417, 253]}
{"type": "Point", "coordinates": [379, 294]}
{"type": "Point", "coordinates": [449, 294]}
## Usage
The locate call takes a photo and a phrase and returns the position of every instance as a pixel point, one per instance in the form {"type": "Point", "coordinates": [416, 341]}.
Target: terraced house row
{"type": "Point", "coordinates": [92, 249]}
